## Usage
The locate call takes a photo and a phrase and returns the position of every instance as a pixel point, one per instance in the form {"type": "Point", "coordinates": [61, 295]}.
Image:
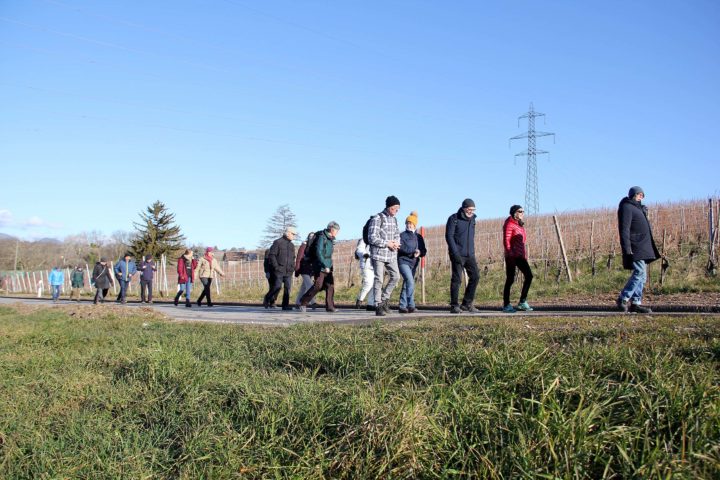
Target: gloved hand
{"type": "Point", "coordinates": [627, 261]}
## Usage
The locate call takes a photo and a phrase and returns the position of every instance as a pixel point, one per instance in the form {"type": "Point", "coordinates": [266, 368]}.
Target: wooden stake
{"type": "Point", "coordinates": [562, 248]}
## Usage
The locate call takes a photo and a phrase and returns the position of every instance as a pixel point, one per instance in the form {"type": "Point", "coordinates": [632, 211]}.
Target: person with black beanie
{"type": "Point", "coordinates": [514, 244]}
{"type": "Point", "coordinates": [460, 238]}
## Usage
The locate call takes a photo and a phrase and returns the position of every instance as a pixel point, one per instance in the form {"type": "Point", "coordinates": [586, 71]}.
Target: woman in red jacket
{"type": "Point", "coordinates": [514, 241]}
{"type": "Point", "coordinates": [186, 276]}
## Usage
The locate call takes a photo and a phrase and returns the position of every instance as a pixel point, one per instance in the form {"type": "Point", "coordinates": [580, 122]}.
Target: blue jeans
{"type": "Point", "coordinates": [407, 293]}
{"type": "Point", "coordinates": [633, 290]}
{"type": "Point", "coordinates": [55, 291]}
{"type": "Point", "coordinates": [187, 288]}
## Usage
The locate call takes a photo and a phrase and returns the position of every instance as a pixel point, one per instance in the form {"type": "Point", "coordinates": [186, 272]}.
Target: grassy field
{"type": "Point", "coordinates": [126, 394]}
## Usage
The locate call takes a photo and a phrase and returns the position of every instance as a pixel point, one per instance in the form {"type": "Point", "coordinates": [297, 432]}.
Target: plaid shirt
{"type": "Point", "coordinates": [383, 229]}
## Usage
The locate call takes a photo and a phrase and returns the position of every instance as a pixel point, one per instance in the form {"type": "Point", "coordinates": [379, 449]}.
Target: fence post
{"type": "Point", "coordinates": [562, 247]}
{"type": "Point", "coordinates": [712, 262]}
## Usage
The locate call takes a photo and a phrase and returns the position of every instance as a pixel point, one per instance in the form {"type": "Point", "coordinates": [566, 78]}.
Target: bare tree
{"type": "Point", "coordinates": [276, 225]}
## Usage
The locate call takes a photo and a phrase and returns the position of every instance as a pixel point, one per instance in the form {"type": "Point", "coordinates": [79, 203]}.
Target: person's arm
{"type": "Point", "coordinates": [325, 263]}
{"type": "Point", "coordinates": [421, 245]}
{"type": "Point", "coordinates": [624, 221]}
{"type": "Point", "coordinates": [450, 236]}
{"type": "Point", "coordinates": [215, 266]}
{"type": "Point", "coordinates": [507, 236]}
{"type": "Point", "coordinates": [298, 259]}
{"type": "Point", "coordinates": [272, 256]}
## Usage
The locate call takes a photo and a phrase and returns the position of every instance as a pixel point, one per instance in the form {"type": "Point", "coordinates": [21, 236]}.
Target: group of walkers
{"type": "Point", "coordinates": [382, 251]}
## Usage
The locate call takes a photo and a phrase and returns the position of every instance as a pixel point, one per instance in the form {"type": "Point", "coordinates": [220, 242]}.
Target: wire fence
{"type": "Point", "coordinates": [679, 228]}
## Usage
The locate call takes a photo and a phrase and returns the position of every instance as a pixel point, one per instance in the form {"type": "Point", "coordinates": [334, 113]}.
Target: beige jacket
{"type": "Point", "coordinates": [204, 270]}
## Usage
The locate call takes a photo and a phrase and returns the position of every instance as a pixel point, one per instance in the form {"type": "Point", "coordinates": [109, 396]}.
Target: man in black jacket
{"type": "Point", "coordinates": [281, 260]}
{"type": "Point", "coordinates": [638, 249]}
{"type": "Point", "coordinates": [460, 237]}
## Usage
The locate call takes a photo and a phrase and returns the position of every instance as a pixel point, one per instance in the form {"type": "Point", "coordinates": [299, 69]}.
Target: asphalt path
{"type": "Point", "coordinates": [257, 315]}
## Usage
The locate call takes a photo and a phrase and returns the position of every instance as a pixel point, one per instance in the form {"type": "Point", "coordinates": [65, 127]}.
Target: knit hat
{"type": "Point", "coordinates": [514, 209]}
{"type": "Point", "coordinates": [634, 191]}
{"type": "Point", "coordinates": [148, 257]}
{"type": "Point", "coordinates": [208, 249]}
{"type": "Point", "coordinates": [468, 202]}
{"type": "Point", "coordinates": [392, 200]}
{"type": "Point", "coordinates": [103, 259]}
{"type": "Point", "coordinates": [412, 218]}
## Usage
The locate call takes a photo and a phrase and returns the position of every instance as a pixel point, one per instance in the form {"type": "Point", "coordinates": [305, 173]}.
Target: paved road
{"type": "Point", "coordinates": [254, 315]}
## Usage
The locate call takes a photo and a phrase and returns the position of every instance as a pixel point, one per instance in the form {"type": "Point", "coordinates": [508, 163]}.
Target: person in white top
{"type": "Point", "coordinates": [362, 253]}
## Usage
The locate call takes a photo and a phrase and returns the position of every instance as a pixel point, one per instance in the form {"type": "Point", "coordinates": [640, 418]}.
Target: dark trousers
{"type": "Point", "coordinates": [146, 284]}
{"type": "Point", "coordinates": [469, 264]}
{"type": "Point", "coordinates": [323, 281]}
{"type": "Point", "coordinates": [206, 290]}
{"type": "Point", "coordinates": [100, 294]}
{"type": "Point", "coordinates": [124, 284]}
{"type": "Point", "coordinates": [524, 267]}
{"type": "Point", "coordinates": [279, 281]}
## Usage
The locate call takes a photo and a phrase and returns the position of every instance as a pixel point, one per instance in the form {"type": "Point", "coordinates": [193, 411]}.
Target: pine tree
{"type": "Point", "coordinates": [276, 225]}
{"type": "Point", "coordinates": [156, 233]}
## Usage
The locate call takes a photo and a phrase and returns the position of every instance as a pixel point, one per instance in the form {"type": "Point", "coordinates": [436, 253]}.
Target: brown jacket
{"type": "Point", "coordinates": [204, 269]}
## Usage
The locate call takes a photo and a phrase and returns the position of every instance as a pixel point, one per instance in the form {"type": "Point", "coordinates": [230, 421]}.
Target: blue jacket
{"type": "Point", "coordinates": [122, 267]}
{"type": "Point", "coordinates": [460, 235]}
{"type": "Point", "coordinates": [409, 242]}
{"type": "Point", "coordinates": [56, 277]}
{"type": "Point", "coordinates": [148, 270]}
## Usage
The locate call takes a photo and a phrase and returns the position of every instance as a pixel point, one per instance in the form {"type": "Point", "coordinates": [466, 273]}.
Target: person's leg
{"type": "Point", "coordinates": [473, 279]}
{"type": "Point", "coordinates": [455, 279]}
{"type": "Point", "coordinates": [635, 281]}
{"type": "Point", "coordinates": [406, 273]}
{"type": "Point", "coordinates": [329, 285]}
{"type": "Point", "coordinates": [97, 294]}
{"type": "Point", "coordinates": [368, 281]}
{"type": "Point", "coordinates": [410, 290]}
{"type": "Point", "coordinates": [104, 294]}
{"type": "Point", "coordinates": [181, 289]}
{"type": "Point", "coordinates": [287, 285]}
{"type": "Point", "coordinates": [188, 292]}
{"type": "Point", "coordinates": [208, 292]}
{"type": "Point", "coordinates": [509, 280]}
{"type": "Point", "coordinates": [641, 267]}
{"type": "Point", "coordinates": [272, 294]}
{"type": "Point", "coordinates": [316, 287]}
{"type": "Point", "coordinates": [394, 274]}
{"type": "Point", "coordinates": [378, 277]}
{"type": "Point", "coordinates": [204, 282]}
{"type": "Point", "coordinates": [528, 278]}
{"type": "Point", "coordinates": [143, 285]}
{"type": "Point", "coordinates": [149, 291]}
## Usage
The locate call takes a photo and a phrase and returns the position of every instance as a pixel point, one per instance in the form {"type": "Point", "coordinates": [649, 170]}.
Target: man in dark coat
{"type": "Point", "coordinates": [460, 237]}
{"type": "Point", "coordinates": [281, 260]}
{"type": "Point", "coordinates": [638, 249]}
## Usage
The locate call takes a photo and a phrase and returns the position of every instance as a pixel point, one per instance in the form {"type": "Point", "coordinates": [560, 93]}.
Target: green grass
{"type": "Point", "coordinates": [101, 396]}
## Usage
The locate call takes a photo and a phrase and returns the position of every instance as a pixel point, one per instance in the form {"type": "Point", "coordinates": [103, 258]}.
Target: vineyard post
{"type": "Point", "coordinates": [712, 263]}
{"type": "Point", "coordinates": [350, 269]}
{"type": "Point", "coordinates": [592, 247]}
{"type": "Point", "coordinates": [423, 261]}
{"type": "Point", "coordinates": [562, 247]}
{"type": "Point", "coordinates": [112, 269]}
{"type": "Point", "coordinates": [662, 259]}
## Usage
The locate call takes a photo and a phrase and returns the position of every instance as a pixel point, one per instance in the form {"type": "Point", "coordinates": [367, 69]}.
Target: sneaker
{"type": "Point", "coordinates": [508, 309]}
{"type": "Point", "coordinates": [469, 309]}
{"type": "Point", "coordinates": [380, 310]}
{"type": "Point", "coordinates": [455, 309]}
{"type": "Point", "coordinates": [403, 310]}
{"type": "Point", "coordinates": [411, 309]}
{"type": "Point", "coordinates": [524, 307]}
{"type": "Point", "coordinates": [622, 305]}
{"type": "Point", "coordinates": [302, 308]}
{"type": "Point", "coordinates": [636, 308]}
{"type": "Point", "coordinates": [386, 306]}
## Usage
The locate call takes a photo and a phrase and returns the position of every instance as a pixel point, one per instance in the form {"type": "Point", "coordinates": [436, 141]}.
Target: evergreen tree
{"type": "Point", "coordinates": [156, 234]}
{"type": "Point", "coordinates": [276, 225]}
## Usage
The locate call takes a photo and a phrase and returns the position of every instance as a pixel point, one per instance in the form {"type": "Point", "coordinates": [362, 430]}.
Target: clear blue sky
{"type": "Point", "coordinates": [225, 110]}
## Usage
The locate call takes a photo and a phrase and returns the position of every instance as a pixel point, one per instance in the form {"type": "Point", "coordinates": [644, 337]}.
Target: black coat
{"type": "Point", "coordinates": [101, 276]}
{"type": "Point", "coordinates": [281, 257]}
{"type": "Point", "coordinates": [636, 237]}
{"type": "Point", "coordinates": [460, 235]}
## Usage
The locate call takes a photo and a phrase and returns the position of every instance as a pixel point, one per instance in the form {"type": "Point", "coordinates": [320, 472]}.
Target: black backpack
{"type": "Point", "coordinates": [366, 228]}
{"type": "Point", "coordinates": [309, 254]}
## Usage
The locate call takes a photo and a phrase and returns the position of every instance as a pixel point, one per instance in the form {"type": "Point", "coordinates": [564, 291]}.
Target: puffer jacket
{"type": "Point", "coordinates": [460, 234]}
{"type": "Point", "coordinates": [514, 239]}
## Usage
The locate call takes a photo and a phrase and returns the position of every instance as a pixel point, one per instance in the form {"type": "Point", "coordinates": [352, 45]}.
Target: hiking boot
{"type": "Point", "coordinates": [188, 305]}
{"type": "Point", "coordinates": [403, 310]}
{"type": "Point", "coordinates": [386, 306]}
{"type": "Point", "coordinates": [380, 310]}
{"type": "Point", "coordinates": [199, 304]}
{"type": "Point", "coordinates": [524, 306]}
{"type": "Point", "coordinates": [508, 309]}
{"type": "Point", "coordinates": [411, 309]}
{"type": "Point", "coordinates": [637, 308]}
{"type": "Point", "coordinates": [622, 305]}
{"type": "Point", "coordinates": [370, 308]}
{"type": "Point", "coordinates": [177, 299]}
{"type": "Point", "coordinates": [455, 309]}
{"type": "Point", "coordinates": [357, 304]}
{"type": "Point", "coordinates": [469, 309]}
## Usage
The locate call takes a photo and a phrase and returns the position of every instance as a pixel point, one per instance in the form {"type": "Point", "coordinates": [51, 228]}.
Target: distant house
{"type": "Point", "coordinates": [232, 257]}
